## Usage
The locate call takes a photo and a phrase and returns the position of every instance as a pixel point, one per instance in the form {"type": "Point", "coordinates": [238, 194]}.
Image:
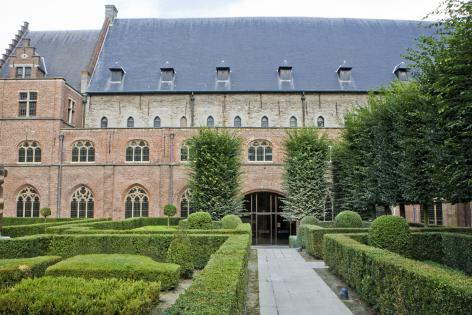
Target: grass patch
{"type": "Point", "coordinates": [120, 266]}
{"type": "Point", "coordinates": [14, 270]}
{"type": "Point", "coordinates": [67, 295]}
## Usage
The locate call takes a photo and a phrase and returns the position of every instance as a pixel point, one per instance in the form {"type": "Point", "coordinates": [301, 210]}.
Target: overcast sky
{"type": "Point", "coordinates": [88, 14]}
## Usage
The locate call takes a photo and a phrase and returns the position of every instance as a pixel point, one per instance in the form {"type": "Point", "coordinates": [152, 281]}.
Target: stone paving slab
{"type": "Point", "coordinates": [288, 285]}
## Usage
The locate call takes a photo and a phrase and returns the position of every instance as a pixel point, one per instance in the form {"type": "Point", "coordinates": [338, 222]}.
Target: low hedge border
{"type": "Point", "coordinates": [221, 287]}
{"type": "Point", "coordinates": [10, 221]}
{"type": "Point", "coordinates": [68, 295]}
{"type": "Point", "coordinates": [127, 224]}
{"type": "Point", "coordinates": [120, 266]}
{"type": "Point", "coordinates": [40, 228]}
{"type": "Point", "coordinates": [14, 270]}
{"type": "Point", "coordinates": [394, 284]}
{"type": "Point", "coordinates": [152, 245]}
{"type": "Point", "coordinates": [453, 250]}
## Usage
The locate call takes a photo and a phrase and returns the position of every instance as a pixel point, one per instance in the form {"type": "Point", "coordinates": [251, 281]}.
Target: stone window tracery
{"type": "Point", "coordinates": [27, 203]}
{"type": "Point", "coordinates": [136, 203]}
{"type": "Point", "coordinates": [83, 151]}
{"type": "Point", "coordinates": [29, 152]}
{"type": "Point", "coordinates": [260, 151]}
{"type": "Point", "coordinates": [137, 151]}
{"type": "Point", "coordinates": [82, 203]}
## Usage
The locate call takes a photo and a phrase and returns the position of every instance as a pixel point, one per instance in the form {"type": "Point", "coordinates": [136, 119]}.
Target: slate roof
{"type": "Point", "coordinates": [65, 53]}
{"type": "Point", "coordinates": [253, 48]}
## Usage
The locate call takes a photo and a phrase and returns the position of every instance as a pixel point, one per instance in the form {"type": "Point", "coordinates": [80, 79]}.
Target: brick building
{"type": "Point", "coordinates": [94, 123]}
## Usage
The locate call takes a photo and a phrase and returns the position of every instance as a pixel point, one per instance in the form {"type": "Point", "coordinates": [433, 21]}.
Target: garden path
{"type": "Point", "coordinates": [289, 285]}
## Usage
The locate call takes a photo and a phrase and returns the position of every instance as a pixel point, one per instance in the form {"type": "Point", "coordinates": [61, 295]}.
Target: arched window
{"type": "Point", "coordinates": [83, 151]}
{"type": "Point", "coordinates": [183, 122]}
{"type": "Point", "coordinates": [210, 122]}
{"type": "Point", "coordinates": [27, 203]}
{"type": "Point", "coordinates": [130, 122]}
{"type": "Point", "coordinates": [184, 153]}
{"type": "Point", "coordinates": [157, 122]}
{"type": "Point", "coordinates": [136, 203]}
{"type": "Point", "coordinates": [264, 122]}
{"type": "Point", "coordinates": [82, 203]}
{"type": "Point", "coordinates": [29, 152]}
{"type": "Point", "coordinates": [137, 151]}
{"type": "Point", "coordinates": [104, 122]}
{"type": "Point", "coordinates": [293, 122]}
{"type": "Point", "coordinates": [237, 122]}
{"type": "Point", "coordinates": [320, 122]}
{"type": "Point", "coordinates": [185, 205]}
{"type": "Point", "coordinates": [260, 151]}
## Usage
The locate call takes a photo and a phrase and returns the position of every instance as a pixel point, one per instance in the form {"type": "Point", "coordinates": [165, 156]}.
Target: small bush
{"type": "Point", "coordinates": [183, 224]}
{"type": "Point", "coordinates": [391, 233]}
{"type": "Point", "coordinates": [200, 220]}
{"type": "Point", "coordinates": [169, 210]}
{"type": "Point", "coordinates": [348, 219]}
{"type": "Point", "coordinates": [120, 266]}
{"type": "Point", "coordinates": [14, 270]}
{"type": "Point", "coordinates": [230, 221]}
{"type": "Point", "coordinates": [67, 295]}
{"type": "Point", "coordinates": [45, 212]}
{"type": "Point", "coordinates": [309, 219]}
{"type": "Point", "coordinates": [180, 253]}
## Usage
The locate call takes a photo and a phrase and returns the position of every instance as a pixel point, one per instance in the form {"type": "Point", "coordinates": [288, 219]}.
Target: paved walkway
{"type": "Point", "coordinates": [289, 285]}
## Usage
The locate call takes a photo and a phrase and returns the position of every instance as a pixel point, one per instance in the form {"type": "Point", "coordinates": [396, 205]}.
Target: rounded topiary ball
{"type": "Point", "coordinates": [200, 220]}
{"type": "Point", "coordinates": [348, 219]}
{"type": "Point", "coordinates": [180, 253]}
{"type": "Point", "coordinates": [230, 221]}
{"type": "Point", "coordinates": [391, 233]}
{"type": "Point", "coordinates": [309, 219]}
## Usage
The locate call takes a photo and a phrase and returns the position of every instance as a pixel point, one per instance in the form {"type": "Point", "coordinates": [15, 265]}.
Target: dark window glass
{"type": "Point", "coordinates": [37, 155]}
{"type": "Point", "coordinates": [210, 122]}
{"type": "Point", "coordinates": [29, 154]}
{"type": "Point", "coordinates": [237, 122]}
{"type": "Point", "coordinates": [265, 122]}
{"type": "Point", "coordinates": [145, 154]}
{"type": "Point", "coordinates": [116, 75]}
{"type": "Point", "coordinates": [27, 72]}
{"type": "Point", "coordinates": [19, 207]}
{"type": "Point", "coordinates": [104, 122]}
{"type": "Point", "coordinates": [285, 74]}
{"type": "Point", "coordinates": [130, 122]}
{"type": "Point", "coordinates": [91, 155]}
{"type": "Point", "coordinates": [345, 75]}
{"type": "Point", "coordinates": [128, 208]}
{"type": "Point", "coordinates": [157, 122]}
{"type": "Point", "coordinates": [293, 122]}
{"type": "Point", "coordinates": [252, 154]}
{"type": "Point", "coordinates": [22, 155]}
{"type": "Point", "coordinates": [222, 74]}
{"type": "Point", "coordinates": [167, 75]}
{"type": "Point", "coordinates": [22, 109]}
{"type": "Point", "coordinates": [320, 122]}
{"type": "Point", "coordinates": [83, 154]}
{"type": "Point", "coordinates": [19, 72]}
{"type": "Point", "coordinates": [32, 108]}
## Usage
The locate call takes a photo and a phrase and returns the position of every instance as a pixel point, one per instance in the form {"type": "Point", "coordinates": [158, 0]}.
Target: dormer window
{"type": "Point", "coordinates": [344, 72]}
{"type": "Point", "coordinates": [222, 78]}
{"type": "Point", "coordinates": [116, 75]}
{"type": "Point", "coordinates": [285, 75]}
{"type": "Point", "coordinates": [401, 71]}
{"type": "Point", "coordinates": [167, 78]}
{"type": "Point", "coordinates": [23, 72]}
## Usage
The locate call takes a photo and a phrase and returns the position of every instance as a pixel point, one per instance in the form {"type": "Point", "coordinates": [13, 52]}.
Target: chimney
{"type": "Point", "coordinates": [110, 12]}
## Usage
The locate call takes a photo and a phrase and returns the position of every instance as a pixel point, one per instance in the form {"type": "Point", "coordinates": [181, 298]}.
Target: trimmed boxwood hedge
{"type": "Point", "coordinates": [391, 233]}
{"type": "Point", "coordinates": [221, 286]}
{"type": "Point", "coordinates": [9, 221]}
{"type": "Point", "coordinates": [394, 284]}
{"type": "Point", "coordinates": [120, 266]}
{"type": "Point", "coordinates": [152, 245]}
{"type": "Point", "coordinates": [40, 228]}
{"type": "Point", "coordinates": [67, 295]}
{"type": "Point", "coordinates": [14, 270]}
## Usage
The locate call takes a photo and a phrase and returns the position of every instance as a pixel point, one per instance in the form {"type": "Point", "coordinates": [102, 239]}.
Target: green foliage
{"type": "Point", "coordinates": [169, 210]}
{"type": "Point", "coordinates": [14, 270]}
{"type": "Point", "coordinates": [200, 220]}
{"type": "Point", "coordinates": [221, 286]}
{"type": "Point", "coordinates": [28, 246]}
{"type": "Point", "coordinates": [9, 221]}
{"type": "Point", "coordinates": [180, 253]}
{"type": "Point", "coordinates": [348, 219]}
{"type": "Point", "coordinates": [309, 219]}
{"type": "Point", "coordinates": [45, 212]}
{"type": "Point", "coordinates": [304, 180]}
{"type": "Point", "coordinates": [183, 224]}
{"type": "Point", "coordinates": [38, 228]}
{"type": "Point", "coordinates": [215, 170]}
{"type": "Point", "coordinates": [313, 237]}
{"type": "Point", "coordinates": [231, 221]}
{"type": "Point", "coordinates": [391, 233]}
{"type": "Point", "coordinates": [64, 295]}
{"type": "Point", "coordinates": [120, 266]}
{"type": "Point", "coordinates": [394, 284]}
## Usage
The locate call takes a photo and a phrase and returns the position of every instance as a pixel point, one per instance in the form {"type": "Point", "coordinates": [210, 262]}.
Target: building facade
{"type": "Point", "coordinates": [94, 123]}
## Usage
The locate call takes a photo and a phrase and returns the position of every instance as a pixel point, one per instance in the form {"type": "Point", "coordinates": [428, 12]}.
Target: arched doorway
{"type": "Point", "coordinates": [263, 210]}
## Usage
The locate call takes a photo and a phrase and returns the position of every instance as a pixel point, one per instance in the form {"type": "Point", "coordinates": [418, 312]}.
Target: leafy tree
{"type": "Point", "coordinates": [215, 170]}
{"type": "Point", "coordinates": [45, 212]}
{"type": "Point", "coordinates": [443, 66]}
{"type": "Point", "coordinates": [305, 169]}
{"type": "Point", "coordinates": [169, 210]}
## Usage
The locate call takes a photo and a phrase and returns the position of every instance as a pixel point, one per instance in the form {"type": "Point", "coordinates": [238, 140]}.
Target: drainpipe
{"type": "Point", "coordinates": [303, 108]}
{"type": "Point", "coordinates": [59, 175]}
{"type": "Point", "coordinates": [192, 110]}
{"type": "Point", "coordinates": [171, 170]}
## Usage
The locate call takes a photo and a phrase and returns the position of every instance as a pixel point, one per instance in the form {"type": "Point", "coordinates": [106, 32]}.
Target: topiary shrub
{"type": "Point", "coordinates": [309, 219]}
{"type": "Point", "coordinates": [348, 219]}
{"type": "Point", "coordinates": [230, 221]}
{"type": "Point", "coordinates": [200, 221]}
{"type": "Point", "coordinates": [45, 212]}
{"type": "Point", "coordinates": [391, 233]}
{"type": "Point", "coordinates": [169, 210]}
{"type": "Point", "coordinates": [183, 224]}
{"type": "Point", "coordinates": [180, 253]}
